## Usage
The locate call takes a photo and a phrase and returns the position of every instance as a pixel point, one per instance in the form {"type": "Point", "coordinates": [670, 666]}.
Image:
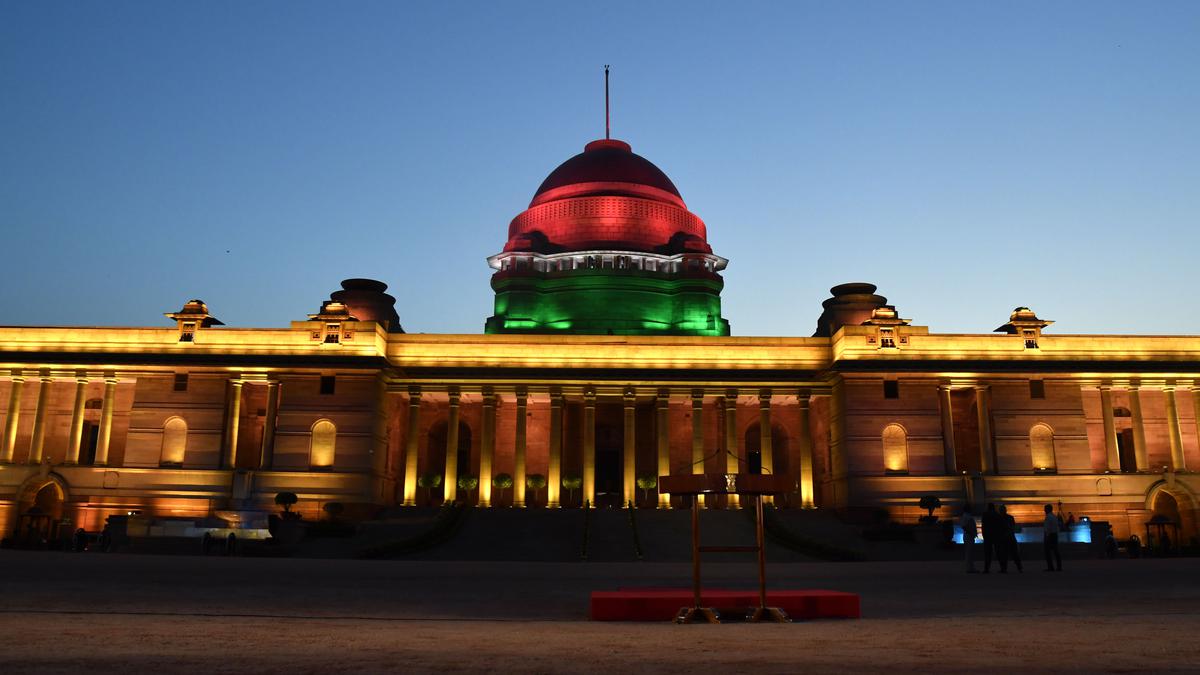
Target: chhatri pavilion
{"type": "Point", "coordinates": [606, 362]}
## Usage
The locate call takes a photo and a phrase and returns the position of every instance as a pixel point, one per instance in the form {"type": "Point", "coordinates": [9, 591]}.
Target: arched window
{"type": "Point", "coordinates": [895, 449]}
{"type": "Point", "coordinates": [1041, 447]}
{"type": "Point", "coordinates": [324, 438]}
{"type": "Point", "coordinates": [174, 442]}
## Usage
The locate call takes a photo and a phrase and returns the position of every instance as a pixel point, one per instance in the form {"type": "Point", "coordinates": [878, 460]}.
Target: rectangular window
{"type": "Point", "coordinates": [1037, 389]}
{"type": "Point", "coordinates": [181, 381]}
{"type": "Point", "coordinates": [187, 331]}
{"type": "Point", "coordinates": [328, 382]}
{"type": "Point", "coordinates": [891, 389]}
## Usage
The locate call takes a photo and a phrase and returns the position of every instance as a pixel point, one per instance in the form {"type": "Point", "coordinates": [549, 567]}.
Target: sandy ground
{"type": "Point", "coordinates": [70, 612]}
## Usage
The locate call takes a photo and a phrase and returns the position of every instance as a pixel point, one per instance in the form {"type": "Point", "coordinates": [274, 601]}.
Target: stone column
{"type": "Point", "coordinates": [267, 456]}
{"type": "Point", "coordinates": [233, 412]}
{"type": "Point", "coordinates": [946, 404]}
{"type": "Point", "coordinates": [983, 406]}
{"type": "Point", "coordinates": [487, 446]}
{"type": "Point", "coordinates": [554, 464]}
{"type": "Point", "coordinates": [1111, 454]}
{"type": "Point", "coordinates": [1173, 434]}
{"type": "Point", "coordinates": [450, 480]}
{"type": "Point", "coordinates": [764, 431]}
{"type": "Point", "coordinates": [1141, 455]}
{"type": "Point", "coordinates": [807, 488]}
{"type": "Point", "coordinates": [76, 437]}
{"type": "Point", "coordinates": [662, 413]}
{"type": "Point", "coordinates": [698, 435]}
{"type": "Point", "coordinates": [766, 452]}
{"type": "Point", "coordinates": [39, 422]}
{"type": "Point", "coordinates": [519, 450]}
{"type": "Point", "coordinates": [412, 446]}
{"type": "Point", "coordinates": [731, 441]}
{"type": "Point", "coordinates": [589, 447]}
{"type": "Point", "coordinates": [104, 433]}
{"type": "Point", "coordinates": [14, 416]}
{"type": "Point", "coordinates": [629, 449]}
{"type": "Point", "coordinates": [1196, 408]}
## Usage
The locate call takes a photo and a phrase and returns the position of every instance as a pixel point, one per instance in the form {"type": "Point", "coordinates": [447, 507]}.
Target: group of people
{"type": "Point", "coordinates": [1000, 539]}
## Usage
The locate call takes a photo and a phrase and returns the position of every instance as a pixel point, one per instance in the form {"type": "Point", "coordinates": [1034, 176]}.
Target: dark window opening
{"type": "Point", "coordinates": [181, 382]}
{"type": "Point", "coordinates": [188, 331]}
{"type": "Point", "coordinates": [891, 389]}
{"type": "Point", "coordinates": [886, 339]}
{"type": "Point", "coordinates": [1037, 389]}
{"type": "Point", "coordinates": [328, 382]}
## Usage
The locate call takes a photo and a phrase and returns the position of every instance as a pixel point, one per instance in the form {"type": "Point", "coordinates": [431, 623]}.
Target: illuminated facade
{"type": "Point", "coordinates": [606, 360]}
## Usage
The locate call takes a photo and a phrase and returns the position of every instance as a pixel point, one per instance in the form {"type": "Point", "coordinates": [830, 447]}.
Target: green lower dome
{"type": "Point", "coordinates": [600, 301]}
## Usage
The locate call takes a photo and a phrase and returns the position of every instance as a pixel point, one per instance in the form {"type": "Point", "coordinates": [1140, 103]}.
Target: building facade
{"type": "Point", "coordinates": [607, 361]}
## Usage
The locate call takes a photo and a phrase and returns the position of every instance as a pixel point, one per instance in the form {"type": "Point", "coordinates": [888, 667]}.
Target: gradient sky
{"type": "Point", "coordinates": [966, 157]}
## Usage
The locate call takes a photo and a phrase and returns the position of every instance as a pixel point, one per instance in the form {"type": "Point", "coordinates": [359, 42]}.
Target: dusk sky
{"type": "Point", "coordinates": [966, 157]}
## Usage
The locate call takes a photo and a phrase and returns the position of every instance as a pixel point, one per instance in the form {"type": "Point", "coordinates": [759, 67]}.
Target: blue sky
{"type": "Point", "coordinates": [966, 157]}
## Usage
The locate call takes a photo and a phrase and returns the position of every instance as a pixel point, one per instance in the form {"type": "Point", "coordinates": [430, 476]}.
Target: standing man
{"type": "Point", "coordinates": [967, 522]}
{"type": "Point", "coordinates": [1050, 528]}
{"type": "Point", "coordinates": [1010, 537]}
{"type": "Point", "coordinates": [991, 539]}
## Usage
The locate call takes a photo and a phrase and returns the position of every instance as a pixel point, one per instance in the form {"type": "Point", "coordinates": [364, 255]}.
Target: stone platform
{"type": "Point", "coordinates": [662, 604]}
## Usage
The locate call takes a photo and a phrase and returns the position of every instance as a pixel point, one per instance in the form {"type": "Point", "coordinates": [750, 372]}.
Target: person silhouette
{"type": "Point", "coordinates": [1010, 540]}
{"type": "Point", "coordinates": [992, 536]}
{"type": "Point", "coordinates": [1050, 530]}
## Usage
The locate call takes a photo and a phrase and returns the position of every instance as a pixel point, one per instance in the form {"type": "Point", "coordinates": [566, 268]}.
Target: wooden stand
{"type": "Point", "coordinates": [753, 486]}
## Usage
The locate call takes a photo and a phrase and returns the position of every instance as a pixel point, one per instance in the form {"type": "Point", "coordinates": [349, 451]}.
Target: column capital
{"type": "Point", "coordinates": [454, 395]}
{"type": "Point", "coordinates": [732, 393]}
{"type": "Point", "coordinates": [414, 391]}
{"type": "Point", "coordinates": [697, 396]}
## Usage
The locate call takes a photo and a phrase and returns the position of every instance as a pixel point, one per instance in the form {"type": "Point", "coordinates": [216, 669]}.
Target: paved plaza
{"type": "Point", "coordinates": [66, 612]}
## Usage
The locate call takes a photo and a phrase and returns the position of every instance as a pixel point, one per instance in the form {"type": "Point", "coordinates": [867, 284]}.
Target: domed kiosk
{"type": "Point", "coordinates": [607, 246]}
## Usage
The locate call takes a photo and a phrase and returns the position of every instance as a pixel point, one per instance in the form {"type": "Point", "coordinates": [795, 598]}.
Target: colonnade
{"type": "Point", "coordinates": [1141, 454]}
{"type": "Point", "coordinates": [37, 442]}
{"type": "Point", "coordinates": [987, 452]}
{"type": "Point", "coordinates": [628, 396]}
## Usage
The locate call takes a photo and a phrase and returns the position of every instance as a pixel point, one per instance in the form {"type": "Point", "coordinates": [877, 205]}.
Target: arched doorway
{"type": "Point", "coordinates": [437, 454]}
{"type": "Point", "coordinates": [40, 513]}
{"type": "Point", "coordinates": [1172, 513]}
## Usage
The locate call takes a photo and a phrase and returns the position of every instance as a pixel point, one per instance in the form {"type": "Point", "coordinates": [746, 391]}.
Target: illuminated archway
{"type": "Point", "coordinates": [40, 502]}
{"type": "Point", "coordinates": [322, 445]}
{"type": "Point", "coordinates": [1041, 447]}
{"type": "Point", "coordinates": [174, 442]}
{"type": "Point", "coordinates": [895, 449]}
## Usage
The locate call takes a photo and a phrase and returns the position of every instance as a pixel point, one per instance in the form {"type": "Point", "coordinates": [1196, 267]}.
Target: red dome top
{"type": "Point", "coordinates": [606, 198]}
{"type": "Point", "coordinates": [607, 167]}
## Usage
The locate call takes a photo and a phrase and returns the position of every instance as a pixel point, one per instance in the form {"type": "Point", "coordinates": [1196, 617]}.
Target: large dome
{"type": "Point", "coordinates": [607, 167]}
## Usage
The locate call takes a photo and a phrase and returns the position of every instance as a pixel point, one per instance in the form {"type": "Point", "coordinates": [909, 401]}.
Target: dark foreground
{"type": "Point", "coordinates": [69, 612]}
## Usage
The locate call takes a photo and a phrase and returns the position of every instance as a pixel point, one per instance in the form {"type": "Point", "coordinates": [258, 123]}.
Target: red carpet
{"type": "Point", "coordinates": [661, 604]}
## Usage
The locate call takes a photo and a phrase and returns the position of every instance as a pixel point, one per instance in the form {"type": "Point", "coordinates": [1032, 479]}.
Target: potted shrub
{"type": "Point", "coordinates": [571, 484]}
{"type": "Point", "coordinates": [467, 483]}
{"type": "Point", "coordinates": [928, 531]}
{"type": "Point", "coordinates": [289, 531]}
{"type": "Point", "coordinates": [535, 482]}
{"type": "Point", "coordinates": [287, 500]}
{"type": "Point", "coordinates": [502, 482]}
{"type": "Point", "coordinates": [429, 482]}
{"type": "Point", "coordinates": [930, 503]}
{"type": "Point", "coordinates": [647, 482]}
{"type": "Point", "coordinates": [333, 509]}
